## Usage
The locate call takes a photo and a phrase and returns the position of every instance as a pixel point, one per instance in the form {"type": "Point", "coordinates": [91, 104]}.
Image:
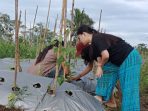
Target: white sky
{"type": "Point", "coordinates": [125, 18]}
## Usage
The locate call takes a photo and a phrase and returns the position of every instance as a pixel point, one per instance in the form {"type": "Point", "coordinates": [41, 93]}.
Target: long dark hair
{"type": "Point", "coordinates": [86, 28]}
{"type": "Point", "coordinates": [42, 54]}
{"type": "Point", "coordinates": [87, 54]}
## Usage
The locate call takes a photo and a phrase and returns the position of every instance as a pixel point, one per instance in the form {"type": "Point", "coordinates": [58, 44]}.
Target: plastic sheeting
{"type": "Point", "coordinates": [86, 84]}
{"type": "Point", "coordinates": [78, 101]}
{"type": "Point", "coordinates": [23, 80]}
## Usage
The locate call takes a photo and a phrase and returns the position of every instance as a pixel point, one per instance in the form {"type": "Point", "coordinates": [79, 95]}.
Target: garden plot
{"type": "Point", "coordinates": [68, 96]}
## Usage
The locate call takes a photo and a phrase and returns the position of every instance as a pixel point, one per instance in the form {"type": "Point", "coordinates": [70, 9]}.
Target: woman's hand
{"type": "Point", "coordinates": [76, 77]}
{"type": "Point", "coordinates": [99, 72]}
{"type": "Point", "coordinates": [66, 70]}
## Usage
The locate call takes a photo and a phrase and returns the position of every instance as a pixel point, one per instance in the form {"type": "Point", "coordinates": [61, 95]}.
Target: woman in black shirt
{"type": "Point", "coordinates": [122, 57]}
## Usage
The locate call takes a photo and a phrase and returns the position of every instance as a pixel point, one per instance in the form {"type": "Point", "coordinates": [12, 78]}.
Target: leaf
{"type": "Point", "coordinates": [60, 80]}
{"type": "Point", "coordinates": [60, 60]}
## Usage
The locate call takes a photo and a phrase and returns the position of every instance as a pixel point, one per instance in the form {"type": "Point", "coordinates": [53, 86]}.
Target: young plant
{"type": "Point", "coordinates": [16, 95]}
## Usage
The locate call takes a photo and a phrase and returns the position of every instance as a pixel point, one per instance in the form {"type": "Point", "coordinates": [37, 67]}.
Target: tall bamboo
{"type": "Point", "coordinates": [62, 19]}
{"type": "Point", "coordinates": [34, 22]}
{"type": "Point", "coordinates": [71, 26]}
{"type": "Point", "coordinates": [25, 29]}
{"type": "Point", "coordinates": [58, 52]}
{"type": "Point", "coordinates": [45, 33]}
{"type": "Point", "coordinates": [35, 16]}
{"type": "Point", "coordinates": [19, 66]}
{"type": "Point", "coordinates": [65, 25]}
{"type": "Point", "coordinates": [64, 22]}
{"type": "Point", "coordinates": [16, 41]}
{"type": "Point", "coordinates": [100, 20]}
{"type": "Point", "coordinates": [55, 26]}
{"type": "Point", "coordinates": [72, 20]}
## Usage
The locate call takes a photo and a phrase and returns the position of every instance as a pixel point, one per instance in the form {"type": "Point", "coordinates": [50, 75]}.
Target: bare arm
{"type": "Point", "coordinates": [104, 58]}
{"type": "Point", "coordinates": [65, 68]}
{"type": "Point", "coordinates": [84, 72]}
{"type": "Point", "coordinates": [101, 61]}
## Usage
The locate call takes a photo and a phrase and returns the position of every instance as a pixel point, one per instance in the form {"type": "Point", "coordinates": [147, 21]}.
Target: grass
{"type": "Point", "coordinates": [7, 50]}
{"type": "Point", "coordinates": [144, 78]}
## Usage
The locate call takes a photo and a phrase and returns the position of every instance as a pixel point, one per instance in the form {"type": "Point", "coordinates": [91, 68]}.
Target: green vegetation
{"type": "Point", "coordinates": [7, 49]}
{"type": "Point", "coordinates": [144, 78]}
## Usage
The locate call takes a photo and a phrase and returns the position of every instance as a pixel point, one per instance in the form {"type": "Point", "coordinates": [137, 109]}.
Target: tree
{"type": "Point", "coordinates": [6, 29]}
{"type": "Point", "coordinates": [80, 17]}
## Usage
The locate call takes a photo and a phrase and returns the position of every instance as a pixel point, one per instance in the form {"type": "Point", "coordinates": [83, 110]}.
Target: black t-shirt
{"type": "Point", "coordinates": [118, 49]}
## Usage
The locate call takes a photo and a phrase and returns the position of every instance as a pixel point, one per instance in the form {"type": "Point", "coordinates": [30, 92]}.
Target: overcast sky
{"type": "Point", "coordinates": [125, 18]}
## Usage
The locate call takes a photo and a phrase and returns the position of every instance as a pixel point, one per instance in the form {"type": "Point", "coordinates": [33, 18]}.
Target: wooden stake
{"type": "Point", "coordinates": [44, 37]}
{"type": "Point", "coordinates": [34, 21]}
{"type": "Point", "coordinates": [62, 19]}
{"type": "Point", "coordinates": [72, 20]}
{"type": "Point", "coordinates": [100, 20]}
{"type": "Point", "coordinates": [19, 66]}
{"type": "Point", "coordinates": [16, 41]}
{"type": "Point", "coordinates": [25, 29]}
{"type": "Point", "coordinates": [71, 26]}
{"type": "Point", "coordinates": [58, 53]}
{"type": "Point", "coordinates": [55, 26]}
{"type": "Point", "coordinates": [64, 22]}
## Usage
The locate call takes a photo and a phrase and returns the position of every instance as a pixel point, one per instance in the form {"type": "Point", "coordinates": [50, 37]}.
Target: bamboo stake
{"type": "Point", "coordinates": [100, 20]}
{"type": "Point", "coordinates": [58, 53]}
{"type": "Point", "coordinates": [72, 20]}
{"type": "Point", "coordinates": [46, 24]}
{"type": "Point", "coordinates": [35, 16]}
{"type": "Point", "coordinates": [71, 25]}
{"type": "Point", "coordinates": [62, 19]}
{"type": "Point", "coordinates": [16, 41]}
{"type": "Point", "coordinates": [34, 21]}
{"type": "Point", "coordinates": [55, 26]}
{"type": "Point", "coordinates": [30, 35]}
{"type": "Point", "coordinates": [19, 66]}
{"type": "Point", "coordinates": [65, 25]}
{"type": "Point", "coordinates": [64, 22]}
{"type": "Point", "coordinates": [25, 28]}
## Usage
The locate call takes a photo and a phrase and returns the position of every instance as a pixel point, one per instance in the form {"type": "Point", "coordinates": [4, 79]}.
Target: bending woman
{"type": "Point", "coordinates": [125, 60]}
{"type": "Point", "coordinates": [45, 63]}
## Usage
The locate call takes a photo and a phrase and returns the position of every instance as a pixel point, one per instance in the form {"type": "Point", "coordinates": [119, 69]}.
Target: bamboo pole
{"type": "Point", "coordinates": [58, 52]}
{"type": "Point", "coordinates": [72, 20]}
{"type": "Point", "coordinates": [64, 22]}
{"type": "Point", "coordinates": [30, 35]}
{"type": "Point", "coordinates": [100, 20]}
{"type": "Point", "coordinates": [25, 29]}
{"type": "Point", "coordinates": [16, 41]}
{"type": "Point", "coordinates": [62, 19]}
{"type": "Point", "coordinates": [19, 66]}
{"type": "Point", "coordinates": [44, 37]}
{"type": "Point", "coordinates": [35, 16]}
{"type": "Point", "coordinates": [34, 22]}
{"type": "Point", "coordinates": [71, 26]}
{"type": "Point", "coordinates": [65, 25]}
{"type": "Point", "coordinates": [55, 26]}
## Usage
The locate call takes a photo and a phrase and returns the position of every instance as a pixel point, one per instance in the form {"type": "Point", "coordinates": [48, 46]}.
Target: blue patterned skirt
{"type": "Point", "coordinates": [128, 75]}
